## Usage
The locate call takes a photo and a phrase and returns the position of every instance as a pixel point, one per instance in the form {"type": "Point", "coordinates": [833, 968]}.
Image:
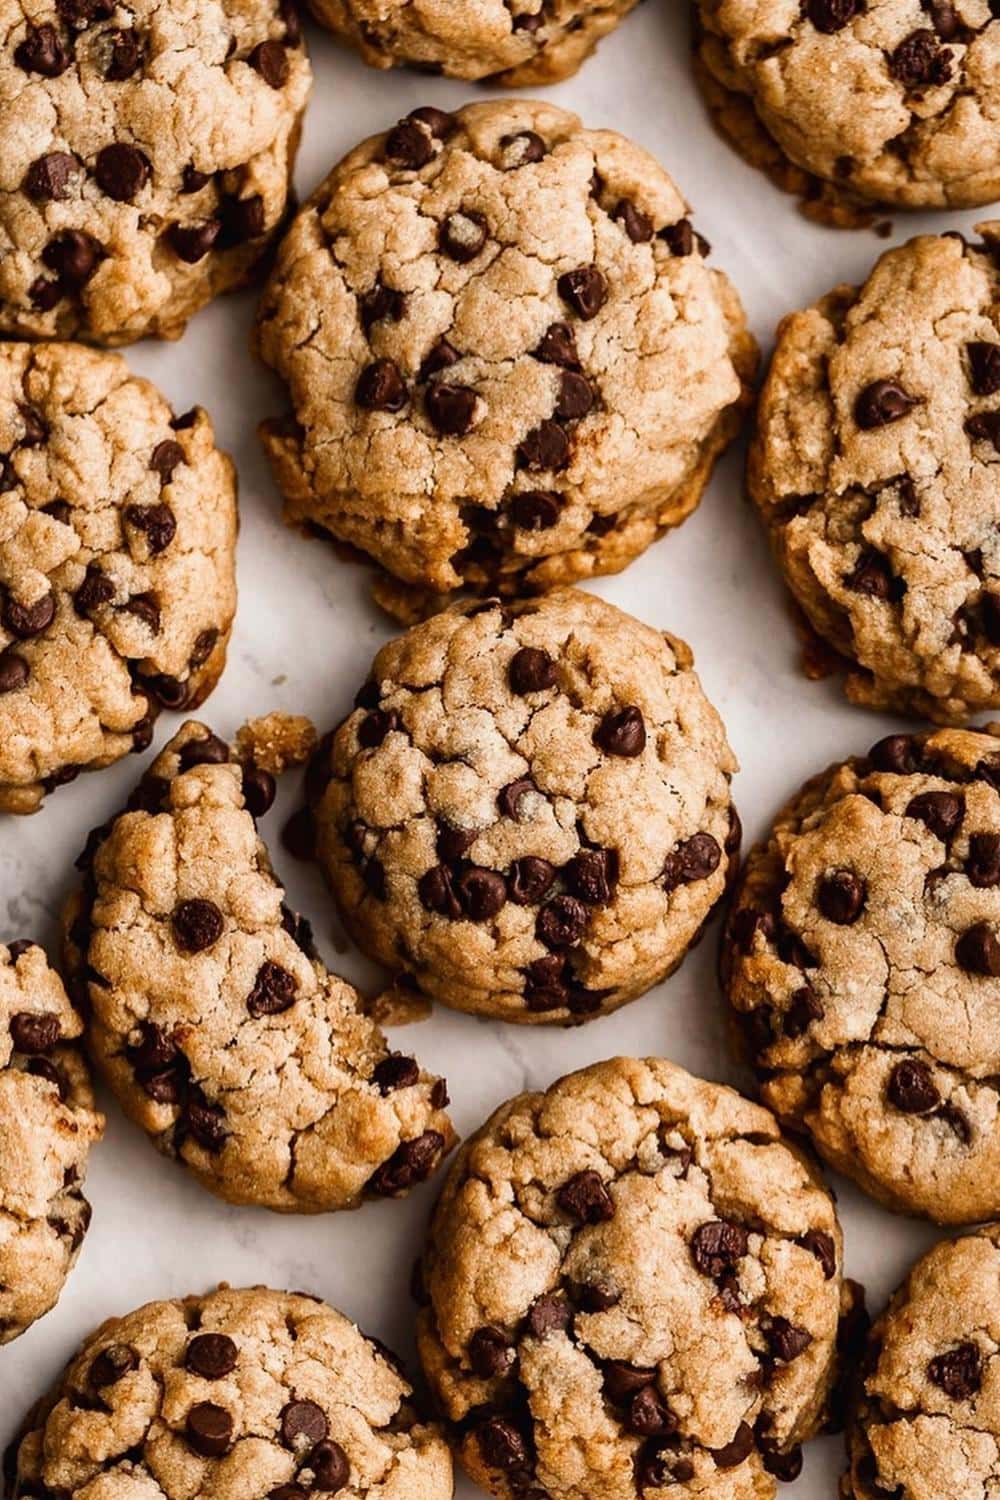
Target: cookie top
{"type": "Point", "coordinates": [506, 357]}
{"type": "Point", "coordinates": [632, 1285]}
{"type": "Point", "coordinates": [528, 814]}
{"type": "Point", "coordinates": [117, 586]}
{"type": "Point", "coordinates": [893, 101]}
{"type": "Point", "coordinates": [213, 1019]}
{"type": "Point", "coordinates": [874, 466]}
{"type": "Point", "coordinates": [926, 1421]}
{"type": "Point", "coordinates": [235, 1394]}
{"type": "Point", "coordinates": [49, 1125]}
{"type": "Point", "coordinates": [145, 157]}
{"type": "Point", "coordinates": [863, 950]}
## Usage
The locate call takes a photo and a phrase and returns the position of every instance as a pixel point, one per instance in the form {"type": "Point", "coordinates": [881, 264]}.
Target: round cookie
{"type": "Point", "coordinates": [852, 104]}
{"type": "Point", "coordinates": [863, 953]}
{"type": "Point", "coordinates": [631, 1286]}
{"type": "Point", "coordinates": [211, 1016]}
{"type": "Point", "coordinates": [145, 158]}
{"type": "Point", "coordinates": [117, 564]}
{"type": "Point", "coordinates": [512, 42]}
{"type": "Point", "coordinates": [874, 467]}
{"type": "Point", "coordinates": [48, 1123]}
{"type": "Point", "coordinates": [237, 1394]}
{"type": "Point", "coordinates": [507, 360]}
{"type": "Point", "coordinates": [528, 814]}
{"type": "Point", "coordinates": [926, 1422]}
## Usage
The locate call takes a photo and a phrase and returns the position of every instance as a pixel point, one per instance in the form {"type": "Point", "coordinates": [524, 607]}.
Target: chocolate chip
{"type": "Point", "coordinates": [436, 890]}
{"type": "Point", "coordinates": [658, 1465]}
{"type": "Point", "coordinates": [242, 219]}
{"type": "Point", "coordinates": [44, 297]}
{"type": "Point", "coordinates": [211, 1355]}
{"type": "Point", "coordinates": [156, 522]}
{"type": "Point", "coordinates": [114, 1362]}
{"type": "Point", "coordinates": [648, 1414]}
{"type": "Point", "coordinates": [83, 13]}
{"type": "Point", "coordinates": [941, 812]}
{"type": "Point", "coordinates": [73, 256]}
{"type": "Point", "coordinates": [441, 356]}
{"type": "Point", "coordinates": [381, 387]}
{"type": "Point", "coordinates": [786, 1341]}
{"type": "Point", "coordinates": [682, 239]}
{"type": "Point", "coordinates": [636, 224]}
{"type": "Point", "coordinates": [528, 22]}
{"type": "Point", "coordinates": [529, 880]}
{"type": "Point", "coordinates": [14, 672]}
{"type": "Point", "coordinates": [438, 121]}
{"type": "Point", "coordinates": [501, 1445]}
{"type": "Point", "coordinates": [978, 951]}
{"type": "Point", "coordinates": [911, 1087]}
{"type": "Point", "coordinates": [785, 1467]}
{"type": "Point", "coordinates": [841, 896]}
{"type": "Point", "coordinates": [192, 181]}
{"type": "Point", "coordinates": [944, 18]}
{"type": "Point", "coordinates": [35, 430]}
{"type": "Point", "coordinates": [192, 242]}
{"type": "Point", "coordinates": [96, 589]}
{"type": "Point", "coordinates": [545, 447]}
{"type": "Point", "coordinates": [621, 732]}
{"type": "Point", "coordinates": [209, 1429]}
{"type": "Point", "coordinates": [920, 61]}
{"type": "Point", "coordinates": [585, 290]}
{"type": "Point", "coordinates": [412, 1162]}
{"type": "Point", "coordinates": [984, 367]}
{"type": "Point", "coordinates": [146, 608]}
{"type": "Point", "coordinates": [536, 510]}
{"type": "Point", "coordinates": [872, 576]}
{"type": "Point", "coordinates": [985, 427]}
{"type": "Point", "coordinates": [271, 61]}
{"type": "Point", "coordinates": [126, 55]}
{"type": "Point", "coordinates": [410, 145]}
{"type": "Point", "coordinates": [205, 1122]}
{"type": "Point", "coordinates": [531, 670]}
{"type": "Point", "coordinates": [19, 947]}
{"type": "Point", "coordinates": [822, 1246]}
{"type": "Point", "coordinates": [558, 347]}
{"type": "Point", "coordinates": [983, 864]}
{"type": "Point", "coordinates": [42, 51]}
{"type": "Point", "coordinates": [450, 408]}
{"type": "Point", "coordinates": [592, 875]}
{"type": "Point", "coordinates": [897, 753]}
{"type": "Point", "coordinates": [561, 923]}
{"type": "Point", "coordinates": [122, 171]}
{"type": "Point", "coordinates": [521, 149]}
{"type": "Point", "coordinates": [303, 1424]}
{"type": "Point", "coordinates": [482, 893]}
{"type": "Point", "coordinates": [739, 1449]}
{"type": "Point", "coordinates": [586, 1199]}
{"type": "Point", "coordinates": [880, 403]}
{"type": "Point", "coordinates": [274, 990]}
{"type": "Point", "coordinates": [375, 726]}
{"type": "Point", "coordinates": [490, 1353]}
{"type": "Point", "coordinates": [382, 304]}
{"type": "Point", "coordinates": [717, 1246]}
{"type": "Point", "coordinates": [49, 176]}
{"type": "Point", "coordinates": [510, 799]}
{"type": "Point", "coordinates": [576, 397]}
{"type": "Point", "coordinates": [548, 1314]}
{"type": "Point", "coordinates": [440, 1098]}
{"type": "Point", "coordinates": [34, 1033]}
{"type": "Point", "coordinates": [805, 1008]}
{"type": "Point", "coordinates": [463, 234]}
{"type": "Point", "coordinates": [694, 859]}
{"type": "Point", "coordinates": [395, 1072]}
{"type": "Point", "coordinates": [28, 620]}
{"type": "Point", "coordinates": [831, 15]}
{"type": "Point", "coordinates": [958, 1372]}
{"type": "Point", "coordinates": [197, 925]}
{"type": "Point", "coordinates": [155, 1052]}
{"type": "Point", "coordinates": [597, 1296]}
{"type": "Point", "coordinates": [330, 1467]}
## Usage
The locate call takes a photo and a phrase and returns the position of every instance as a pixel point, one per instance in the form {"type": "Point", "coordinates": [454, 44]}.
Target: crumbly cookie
{"type": "Point", "coordinates": [926, 1422]}
{"type": "Point", "coordinates": [117, 565]}
{"type": "Point", "coordinates": [237, 1394]}
{"type": "Point", "coordinates": [48, 1124]}
{"type": "Point", "coordinates": [875, 466]}
{"type": "Point", "coordinates": [508, 362]}
{"type": "Point", "coordinates": [854, 103]}
{"type": "Point", "coordinates": [513, 42]}
{"type": "Point", "coordinates": [528, 814]}
{"type": "Point", "coordinates": [863, 951]}
{"type": "Point", "coordinates": [145, 158]}
{"type": "Point", "coordinates": [211, 1016]}
{"type": "Point", "coordinates": [631, 1285]}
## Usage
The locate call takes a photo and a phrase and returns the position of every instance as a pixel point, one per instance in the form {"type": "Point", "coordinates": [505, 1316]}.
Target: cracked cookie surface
{"type": "Point", "coordinates": [49, 1123]}
{"type": "Point", "coordinates": [235, 1394]}
{"type": "Point", "coordinates": [863, 952]}
{"type": "Point", "coordinates": [117, 563]}
{"type": "Point", "coordinates": [926, 1421]}
{"type": "Point", "coordinates": [631, 1285]}
{"type": "Point", "coordinates": [145, 158]}
{"type": "Point", "coordinates": [528, 814]}
{"type": "Point", "coordinates": [875, 466]}
{"type": "Point", "coordinates": [855, 102]}
{"type": "Point", "coordinates": [508, 362]}
{"type": "Point", "coordinates": [216, 1025]}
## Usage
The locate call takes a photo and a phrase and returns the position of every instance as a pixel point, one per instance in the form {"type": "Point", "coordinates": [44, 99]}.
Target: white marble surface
{"type": "Point", "coordinates": [304, 637]}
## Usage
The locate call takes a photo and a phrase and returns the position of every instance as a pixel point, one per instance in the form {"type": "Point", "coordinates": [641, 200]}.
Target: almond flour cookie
{"type": "Point", "coordinates": [876, 469]}
{"type": "Point", "coordinates": [855, 103]}
{"type": "Point", "coordinates": [213, 1019]}
{"type": "Point", "coordinates": [48, 1124]}
{"type": "Point", "coordinates": [240, 1395]}
{"type": "Point", "coordinates": [145, 157]}
{"type": "Point", "coordinates": [528, 814]}
{"type": "Point", "coordinates": [508, 362]}
{"type": "Point", "coordinates": [631, 1286]}
{"type": "Point", "coordinates": [117, 567]}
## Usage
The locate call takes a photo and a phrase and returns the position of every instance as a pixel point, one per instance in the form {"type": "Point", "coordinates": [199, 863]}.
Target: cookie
{"type": "Point", "coordinates": [863, 951]}
{"type": "Point", "coordinates": [117, 564]}
{"type": "Point", "coordinates": [146, 157]}
{"type": "Point", "coordinates": [211, 1016]}
{"type": "Point", "coordinates": [874, 466]}
{"type": "Point", "coordinates": [236, 1394]}
{"type": "Point", "coordinates": [511, 42]}
{"type": "Point", "coordinates": [631, 1285]}
{"type": "Point", "coordinates": [926, 1420]}
{"type": "Point", "coordinates": [528, 814]}
{"type": "Point", "coordinates": [507, 360]}
{"type": "Point", "coordinates": [49, 1123]}
{"type": "Point", "coordinates": [852, 104]}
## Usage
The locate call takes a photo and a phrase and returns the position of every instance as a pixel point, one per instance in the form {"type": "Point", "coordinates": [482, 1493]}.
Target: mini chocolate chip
{"type": "Point", "coordinates": [822, 1246]}
{"type": "Point", "coordinates": [441, 356]}
{"type": "Point", "coordinates": [736, 1451]}
{"type": "Point", "coordinates": [958, 1372]}
{"type": "Point", "coordinates": [501, 1445]}
{"type": "Point", "coordinates": [114, 1362]}
{"type": "Point", "coordinates": [558, 347]}
{"type": "Point", "coordinates": [920, 61]}
{"type": "Point", "coordinates": [242, 219]}
{"type": "Point", "coordinates": [303, 1424]}
{"type": "Point", "coordinates": [983, 864]}
{"type": "Point", "coordinates": [536, 510]}
{"type": "Point", "coordinates": [395, 1072]}
{"type": "Point", "coordinates": [14, 672]}
{"type": "Point", "coordinates": [585, 290]}
{"type": "Point", "coordinates": [529, 880]}
{"type": "Point", "coordinates": [330, 1467]}
{"type": "Point", "coordinates": [410, 145]}
{"type": "Point", "coordinates": [451, 409]}
{"type": "Point", "coordinates": [978, 951]}
{"type": "Point", "coordinates": [482, 893]}
{"type": "Point", "coordinates": [592, 875]}
{"type": "Point", "coordinates": [28, 620]}
{"type": "Point", "coordinates": [941, 812]}
{"type": "Point", "coordinates": [271, 61]}
{"type": "Point", "coordinates": [157, 522]}
{"type": "Point", "coordinates": [96, 589]}
{"type": "Point", "coordinates": [873, 577]}
{"type": "Point", "coordinates": [841, 896]}
{"type": "Point", "coordinates": [911, 1087]}
{"type": "Point", "coordinates": [382, 304]}
{"type": "Point", "coordinates": [531, 670]}
{"type": "Point", "coordinates": [490, 1353]}
{"type": "Point", "coordinates": [984, 367]}
{"type": "Point", "coordinates": [545, 447]}
{"type": "Point", "coordinates": [621, 732]}
{"type": "Point", "coordinates": [521, 149]}
{"type": "Point", "coordinates": [209, 1429]}
{"type": "Point", "coordinates": [694, 859]}
{"type": "Point", "coordinates": [561, 923]}
{"type": "Point", "coordinates": [126, 55]}
{"type": "Point", "coordinates": [880, 403]}
{"type": "Point", "coordinates": [576, 397]}
{"type": "Point", "coordinates": [436, 889]}
{"type": "Point", "coordinates": [412, 1162]}
{"type": "Point", "coordinates": [829, 16]}
{"type": "Point", "coordinates": [42, 51]}
{"type": "Point", "coordinates": [197, 925]}
{"type": "Point", "coordinates": [211, 1355]}
{"type": "Point", "coordinates": [122, 171]}
{"type": "Point", "coordinates": [73, 256]}
{"type": "Point", "coordinates": [34, 1033]}
{"type": "Point", "coordinates": [192, 242]}
{"type": "Point", "coordinates": [637, 225]}
{"type": "Point", "coordinates": [49, 177]}
{"type": "Point", "coordinates": [586, 1199]}
{"type": "Point", "coordinates": [463, 234]}
{"type": "Point", "coordinates": [548, 1314]}
{"type": "Point", "coordinates": [274, 990]}
{"type": "Point", "coordinates": [716, 1247]}
{"type": "Point", "coordinates": [381, 387]}
{"type": "Point", "coordinates": [786, 1341]}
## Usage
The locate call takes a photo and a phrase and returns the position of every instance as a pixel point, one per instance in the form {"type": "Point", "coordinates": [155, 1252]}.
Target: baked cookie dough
{"type": "Point", "coordinates": [507, 360]}
{"type": "Point", "coordinates": [117, 565]}
{"type": "Point", "coordinates": [528, 814]}
{"type": "Point", "coordinates": [48, 1123]}
{"type": "Point", "coordinates": [852, 104]}
{"type": "Point", "coordinates": [211, 1016]}
{"type": "Point", "coordinates": [875, 465]}
{"type": "Point", "coordinates": [237, 1394]}
{"type": "Point", "coordinates": [631, 1286]}
{"type": "Point", "coordinates": [513, 42]}
{"type": "Point", "coordinates": [926, 1421]}
{"type": "Point", "coordinates": [863, 952]}
{"type": "Point", "coordinates": [145, 158]}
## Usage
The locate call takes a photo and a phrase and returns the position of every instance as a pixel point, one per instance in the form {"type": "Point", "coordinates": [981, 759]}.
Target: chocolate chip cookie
{"type": "Point", "coordinates": [854, 103]}
{"type": "Point", "coordinates": [215, 1023]}
{"type": "Point", "coordinates": [926, 1421]}
{"type": "Point", "coordinates": [146, 155]}
{"type": "Point", "coordinates": [507, 360]}
{"type": "Point", "coordinates": [48, 1124]}
{"type": "Point", "coordinates": [528, 814]}
{"type": "Point", "coordinates": [117, 566]}
{"type": "Point", "coordinates": [631, 1284]}
{"type": "Point", "coordinates": [237, 1394]}
{"type": "Point", "coordinates": [863, 953]}
{"type": "Point", "coordinates": [513, 42]}
{"type": "Point", "coordinates": [875, 466]}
